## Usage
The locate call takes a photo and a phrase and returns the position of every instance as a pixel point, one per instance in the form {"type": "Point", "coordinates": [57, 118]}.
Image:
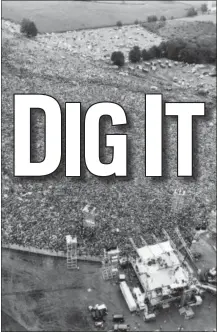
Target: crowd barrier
{"type": "Point", "coordinates": [49, 252]}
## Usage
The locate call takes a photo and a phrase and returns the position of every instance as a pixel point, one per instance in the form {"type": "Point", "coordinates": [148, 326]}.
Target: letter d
{"type": "Point", "coordinates": [22, 109]}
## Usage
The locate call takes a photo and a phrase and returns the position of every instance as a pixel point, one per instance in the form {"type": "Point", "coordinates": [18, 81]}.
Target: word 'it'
{"type": "Point", "coordinates": [118, 167]}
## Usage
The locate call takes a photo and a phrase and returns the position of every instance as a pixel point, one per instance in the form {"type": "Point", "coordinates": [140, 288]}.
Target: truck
{"type": "Point", "coordinates": [131, 303]}
{"type": "Point", "coordinates": [139, 297]}
{"type": "Point", "coordinates": [121, 328]}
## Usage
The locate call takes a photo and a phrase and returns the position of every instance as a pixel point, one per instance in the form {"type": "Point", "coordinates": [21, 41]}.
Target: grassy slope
{"type": "Point", "coordinates": [38, 209]}
{"type": "Point", "coordinates": [68, 15]}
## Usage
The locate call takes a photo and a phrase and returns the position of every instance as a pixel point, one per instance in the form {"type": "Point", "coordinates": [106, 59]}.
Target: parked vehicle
{"type": "Point", "coordinates": [96, 315]}
{"type": "Point", "coordinates": [102, 309]}
{"type": "Point", "coordinates": [128, 296]}
{"type": "Point", "coordinates": [121, 328]}
{"type": "Point", "coordinates": [149, 317]}
{"type": "Point", "coordinates": [99, 324]}
{"type": "Point", "coordinates": [118, 318]}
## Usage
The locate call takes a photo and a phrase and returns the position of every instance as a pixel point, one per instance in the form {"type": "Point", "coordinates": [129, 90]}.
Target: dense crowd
{"type": "Point", "coordinates": [119, 216]}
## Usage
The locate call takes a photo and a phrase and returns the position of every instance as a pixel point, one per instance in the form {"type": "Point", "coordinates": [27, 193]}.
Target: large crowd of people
{"type": "Point", "coordinates": [118, 217]}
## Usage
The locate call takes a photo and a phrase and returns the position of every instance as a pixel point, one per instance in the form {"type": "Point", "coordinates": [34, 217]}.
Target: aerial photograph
{"type": "Point", "coordinates": [108, 192]}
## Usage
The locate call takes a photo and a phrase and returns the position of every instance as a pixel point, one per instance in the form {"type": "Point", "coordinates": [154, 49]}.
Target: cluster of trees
{"type": "Point", "coordinates": [28, 28]}
{"type": "Point", "coordinates": [177, 50]}
{"type": "Point", "coordinates": [193, 12]}
{"type": "Point", "coordinates": [152, 18]}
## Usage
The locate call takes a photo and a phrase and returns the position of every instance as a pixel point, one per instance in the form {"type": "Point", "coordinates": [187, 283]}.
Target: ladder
{"type": "Point", "coordinates": [71, 256]}
{"type": "Point", "coordinates": [71, 260]}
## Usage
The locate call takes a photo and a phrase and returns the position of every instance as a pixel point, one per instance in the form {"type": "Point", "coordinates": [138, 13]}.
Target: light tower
{"type": "Point", "coordinates": [71, 244]}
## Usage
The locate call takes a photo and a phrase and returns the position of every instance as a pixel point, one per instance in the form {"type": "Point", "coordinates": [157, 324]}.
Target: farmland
{"type": "Point", "coordinates": [57, 16]}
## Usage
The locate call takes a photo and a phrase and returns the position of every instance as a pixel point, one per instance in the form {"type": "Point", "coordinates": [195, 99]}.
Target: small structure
{"type": "Point", "coordinates": [122, 277]}
{"type": "Point", "coordinates": [89, 216]}
{"type": "Point", "coordinates": [71, 244]}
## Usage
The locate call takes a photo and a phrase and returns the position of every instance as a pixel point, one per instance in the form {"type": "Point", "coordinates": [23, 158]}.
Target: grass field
{"type": "Point", "coordinates": [68, 15]}
{"type": "Point", "coordinates": [191, 30]}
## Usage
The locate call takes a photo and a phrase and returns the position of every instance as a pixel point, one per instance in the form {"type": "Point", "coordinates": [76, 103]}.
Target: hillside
{"type": "Point", "coordinates": [41, 212]}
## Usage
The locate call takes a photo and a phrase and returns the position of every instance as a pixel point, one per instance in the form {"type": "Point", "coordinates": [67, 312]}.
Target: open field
{"type": "Point", "coordinates": [189, 30]}
{"type": "Point", "coordinates": [43, 295]}
{"type": "Point", "coordinates": [69, 15]}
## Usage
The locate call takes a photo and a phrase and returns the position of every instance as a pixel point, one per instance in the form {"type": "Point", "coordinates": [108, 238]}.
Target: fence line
{"type": "Point", "coordinates": [49, 252]}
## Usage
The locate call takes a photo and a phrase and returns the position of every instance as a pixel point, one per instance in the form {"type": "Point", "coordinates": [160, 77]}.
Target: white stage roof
{"type": "Point", "coordinates": [159, 267]}
{"type": "Point", "coordinates": [156, 250]}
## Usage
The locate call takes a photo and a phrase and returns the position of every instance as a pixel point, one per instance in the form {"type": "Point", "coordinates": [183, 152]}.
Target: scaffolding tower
{"type": "Point", "coordinates": [184, 245]}
{"type": "Point", "coordinates": [110, 265]}
{"type": "Point", "coordinates": [108, 271]}
{"type": "Point", "coordinates": [72, 258]}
